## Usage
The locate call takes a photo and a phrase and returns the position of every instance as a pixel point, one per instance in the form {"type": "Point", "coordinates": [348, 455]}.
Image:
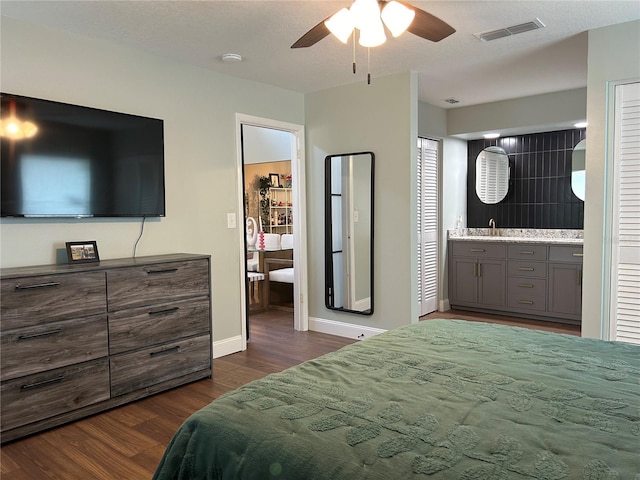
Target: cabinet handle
{"type": "Point", "coordinates": [527, 252]}
{"type": "Point", "coordinates": [37, 285]}
{"type": "Point", "coordinates": [479, 269]}
{"type": "Point", "coordinates": [526, 269]}
{"type": "Point", "coordinates": [477, 249]}
{"type": "Point", "coordinates": [526, 285]}
{"type": "Point", "coordinates": [39, 335]}
{"type": "Point", "coordinates": [161, 272]}
{"type": "Point", "coordinates": [526, 302]}
{"type": "Point", "coordinates": [165, 311]}
{"type": "Point", "coordinates": [43, 383]}
{"type": "Point", "coordinates": [578, 254]}
{"type": "Point", "coordinates": [165, 352]}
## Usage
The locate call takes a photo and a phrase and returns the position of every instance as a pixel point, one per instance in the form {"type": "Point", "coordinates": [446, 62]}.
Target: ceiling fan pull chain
{"type": "Point", "coordinates": [368, 66]}
{"type": "Point", "coordinates": [354, 51]}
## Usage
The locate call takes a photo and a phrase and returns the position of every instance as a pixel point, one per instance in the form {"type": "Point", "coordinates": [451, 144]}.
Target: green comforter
{"type": "Point", "coordinates": [442, 399]}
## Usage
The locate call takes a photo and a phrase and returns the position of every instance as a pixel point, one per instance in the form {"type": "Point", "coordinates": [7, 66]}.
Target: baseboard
{"type": "Point", "coordinates": [342, 329]}
{"type": "Point", "coordinates": [444, 305]}
{"type": "Point", "coordinates": [227, 346]}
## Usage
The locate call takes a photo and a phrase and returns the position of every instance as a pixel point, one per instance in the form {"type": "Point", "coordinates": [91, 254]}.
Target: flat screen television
{"type": "Point", "coordinates": [78, 161]}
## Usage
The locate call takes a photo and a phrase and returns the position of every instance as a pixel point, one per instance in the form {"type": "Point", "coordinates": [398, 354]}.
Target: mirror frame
{"type": "Point", "coordinates": [328, 229]}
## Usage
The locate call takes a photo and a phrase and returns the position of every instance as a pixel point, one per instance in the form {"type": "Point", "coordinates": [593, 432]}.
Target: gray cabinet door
{"type": "Point", "coordinates": [565, 289]}
{"type": "Point", "coordinates": [464, 283]}
{"type": "Point", "coordinates": [491, 283]}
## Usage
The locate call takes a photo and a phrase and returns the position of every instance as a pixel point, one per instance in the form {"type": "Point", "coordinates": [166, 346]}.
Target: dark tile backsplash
{"type": "Point", "coordinates": [540, 194]}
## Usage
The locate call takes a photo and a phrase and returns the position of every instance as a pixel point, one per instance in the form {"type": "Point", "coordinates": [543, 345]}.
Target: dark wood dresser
{"type": "Point", "coordinates": [80, 339]}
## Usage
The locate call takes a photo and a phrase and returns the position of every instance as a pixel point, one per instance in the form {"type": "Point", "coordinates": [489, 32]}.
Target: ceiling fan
{"type": "Point", "coordinates": [368, 16]}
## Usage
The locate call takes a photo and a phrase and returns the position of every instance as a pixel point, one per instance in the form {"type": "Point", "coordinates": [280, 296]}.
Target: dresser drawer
{"type": "Point", "coordinates": [35, 397]}
{"type": "Point", "coordinates": [45, 347]}
{"type": "Point", "coordinates": [527, 293]}
{"type": "Point", "coordinates": [143, 368]}
{"type": "Point", "coordinates": [565, 253]}
{"type": "Point", "coordinates": [141, 327]}
{"type": "Point", "coordinates": [527, 269]}
{"type": "Point", "coordinates": [35, 300]}
{"type": "Point", "coordinates": [150, 284]}
{"type": "Point", "coordinates": [527, 252]}
{"type": "Point", "coordinates": [479, 249]}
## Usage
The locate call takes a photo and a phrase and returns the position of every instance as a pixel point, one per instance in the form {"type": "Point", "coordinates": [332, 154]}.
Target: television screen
{"type": "Point", "coordinates": [61, 160]}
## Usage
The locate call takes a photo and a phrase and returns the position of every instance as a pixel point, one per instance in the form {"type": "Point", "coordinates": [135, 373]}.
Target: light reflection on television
{"type": "Point", "coordinates": [55, 185]}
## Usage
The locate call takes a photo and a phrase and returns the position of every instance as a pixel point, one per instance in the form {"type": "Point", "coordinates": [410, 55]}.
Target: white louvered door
{"type": "Point", "coordinates": [625, 283]}
{"type": "Point", "coordinates": [427, 225]}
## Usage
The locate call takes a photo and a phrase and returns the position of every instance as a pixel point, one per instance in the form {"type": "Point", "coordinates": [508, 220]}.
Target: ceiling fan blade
{"type": "Point", "coordinates": [428, 26]}
{"type": "Point", "coordinates": [313, 36]}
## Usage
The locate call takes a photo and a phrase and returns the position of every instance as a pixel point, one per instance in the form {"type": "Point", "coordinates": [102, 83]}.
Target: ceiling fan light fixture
{"type": "Point", "coordinates": [341, 25]}
{"type": "Point", "coordinates": [397, 17]}
{"type": "Point", "coordinates": [372, 36]}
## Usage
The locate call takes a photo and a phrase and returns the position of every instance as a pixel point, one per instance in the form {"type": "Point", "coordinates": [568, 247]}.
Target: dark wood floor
{"type": "Point", "coordinates": [127, 442]}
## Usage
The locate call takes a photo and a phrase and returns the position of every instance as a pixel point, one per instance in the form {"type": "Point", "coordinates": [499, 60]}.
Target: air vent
{"type": "Point", "coordinates": [508, 31]}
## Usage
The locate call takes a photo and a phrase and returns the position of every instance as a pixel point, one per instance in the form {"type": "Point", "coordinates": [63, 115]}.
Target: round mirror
{"type": "Point", "coordinates": [578, 169]}
{"type": "Point", "coordinates": [492, 175]}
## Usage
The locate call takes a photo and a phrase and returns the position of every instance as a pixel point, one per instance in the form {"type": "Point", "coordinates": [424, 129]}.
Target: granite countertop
{"type": "Point", "coordinates": [518, 235]}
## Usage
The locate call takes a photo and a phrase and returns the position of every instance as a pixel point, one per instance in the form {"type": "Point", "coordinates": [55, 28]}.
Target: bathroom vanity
{"type": "Point", "coordinates": [537, 278]}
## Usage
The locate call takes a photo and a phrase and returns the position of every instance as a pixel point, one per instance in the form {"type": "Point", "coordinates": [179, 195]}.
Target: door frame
{"type": "Point", "coordinates": [298, 195]}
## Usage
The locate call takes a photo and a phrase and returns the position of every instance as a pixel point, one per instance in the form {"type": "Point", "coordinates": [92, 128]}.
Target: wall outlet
{"type": "Point", "coordinates": [231, 220]}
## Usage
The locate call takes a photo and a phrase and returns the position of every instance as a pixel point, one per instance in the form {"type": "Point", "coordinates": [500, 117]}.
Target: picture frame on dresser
{"type": "Point", "coordinates": [82, 252]}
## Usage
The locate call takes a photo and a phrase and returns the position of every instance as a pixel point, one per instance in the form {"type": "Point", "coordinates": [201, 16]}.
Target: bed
{"type": "Point", "coordinates": [442, 399]}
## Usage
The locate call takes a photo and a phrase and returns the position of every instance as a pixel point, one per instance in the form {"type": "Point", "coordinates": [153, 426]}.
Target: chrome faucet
{"type": "Point", "coordinates": [492, 225]}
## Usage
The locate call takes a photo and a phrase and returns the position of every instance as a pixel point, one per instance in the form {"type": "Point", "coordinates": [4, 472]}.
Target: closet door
{"type": "Point", "coordinates": [625, 265]}
{"type": "Point", "coordinates": [427, 225]}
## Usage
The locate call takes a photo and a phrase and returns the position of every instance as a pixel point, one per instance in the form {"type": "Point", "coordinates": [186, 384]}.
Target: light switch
{"type": "Point", "coordinates": [356, 216]}
{"type": "Point", "coordinates": [231, 220]}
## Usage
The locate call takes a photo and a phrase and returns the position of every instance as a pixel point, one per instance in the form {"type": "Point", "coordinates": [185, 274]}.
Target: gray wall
{"type": "Point", "coordinates": [381, 117]}
{"type": "Point", "coordinates": [198, 107]}
{"type": "Point", "coordinates": [614, 55]}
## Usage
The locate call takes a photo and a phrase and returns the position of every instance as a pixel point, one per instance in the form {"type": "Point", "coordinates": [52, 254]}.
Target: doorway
{"type": "Point", "coordinates": [260, 139]}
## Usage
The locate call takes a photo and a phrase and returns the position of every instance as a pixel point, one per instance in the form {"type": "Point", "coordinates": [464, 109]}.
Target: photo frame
{"type": "Point", "coordinates": [274, 180]}
{"type": "Point", "coordinates": [82, 252]}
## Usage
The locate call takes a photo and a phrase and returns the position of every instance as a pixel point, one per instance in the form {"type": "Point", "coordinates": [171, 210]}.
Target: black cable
{"type": "Point", "coordinates": [135, 247]}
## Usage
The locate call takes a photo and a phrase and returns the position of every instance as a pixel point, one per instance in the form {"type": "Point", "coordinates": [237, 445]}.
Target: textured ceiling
{"type": "Point", "coordinates": [550, 59]}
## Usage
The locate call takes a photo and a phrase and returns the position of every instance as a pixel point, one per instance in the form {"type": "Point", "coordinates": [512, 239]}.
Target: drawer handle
{"type": "Point", "coordinates": [43, 383]}
{"type": "Point", "coordinates": [578, 254]}
{"type": "Point", "coordinates": [526, 302]}
{"type": "Point", "coordinates": [161, 272]}
{"type": "Point", "coordinates": [165, 311]}
{"type": "Point", "coordinates": [526, 285]}
{"type": "Point", "coordinates": [37, 285]}
{"type": "Point", "coordinates": [527, 252]}
{"type": "Point", "coordinates": [165, 352]}
{"type": "Point", "coordinates": [477, 249]}
{"type": "Point", "coordinates": [526, 269]}
{"type": "Point", "coordinates": [39, 335]}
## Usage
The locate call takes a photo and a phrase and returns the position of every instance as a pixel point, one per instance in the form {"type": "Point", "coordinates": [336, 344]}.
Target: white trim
{"type": "Point", "coordinates": [227, 346]}
{"type": "Point", "coordinates": [348, 330]}
{"type": "Point", "coordinates": [444, 305]}
{"type": "Point", "coordinates": [298, 192]}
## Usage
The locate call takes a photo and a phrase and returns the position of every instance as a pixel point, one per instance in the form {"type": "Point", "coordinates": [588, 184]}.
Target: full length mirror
{"type": "Point", "coordinates": [578, 169]}
{"type": "Point", "coordinates": [492, 175]}
{"type": "Point", "coordinates": [349, 232]}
